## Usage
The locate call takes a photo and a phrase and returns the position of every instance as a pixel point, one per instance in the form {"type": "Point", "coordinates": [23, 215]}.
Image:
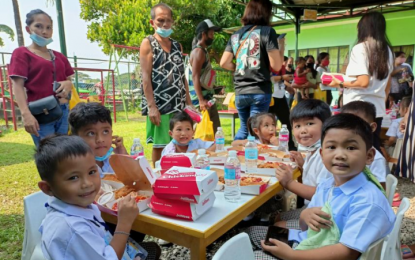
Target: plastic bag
{"type": "Point", "coordinates": [74, 98]}
{"type": "Point", "coordinates": [320, 94]}
{"type": "Point", "coordinates": [295, 102]}
{"type": "Point", "coordinates": [204, 130]}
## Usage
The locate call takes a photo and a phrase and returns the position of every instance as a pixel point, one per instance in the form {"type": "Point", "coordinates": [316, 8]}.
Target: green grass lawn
{"type": "Point", "coordinates": [19, 176]}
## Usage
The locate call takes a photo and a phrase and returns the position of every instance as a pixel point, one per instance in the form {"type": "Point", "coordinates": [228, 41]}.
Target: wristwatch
{"type": "Point", "coordinates": [341, 84]}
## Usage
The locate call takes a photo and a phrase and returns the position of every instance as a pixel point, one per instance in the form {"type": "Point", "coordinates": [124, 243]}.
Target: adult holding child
{"type": "Point", "coordinates": [199, 88]}
{"type": "Point", "coordinates": [322, 65]}
{"type": "Point", "coordinates": [41, 80]}
{"type": "Point", "coordinates": [164, 86]}
{"type": "Point", "coordinates": [256, 48]}
{"type": "Point", "coordinates": [371, 63]}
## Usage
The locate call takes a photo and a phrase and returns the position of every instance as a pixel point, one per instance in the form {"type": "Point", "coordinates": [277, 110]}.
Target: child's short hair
{"type": "Point", "coordinates": [350, 122]}
{"type": "Point", "coordinates": [84, 114]}
{"type": "Point", "coordinates": [310, 108]}
{"type": "Point", "coordinates": [180, 117]}
{"type": "Point", "coordinates": [54, 149]}
{"type": "Point", "coordinates": [406, 102]}
{"type": "Point", "coordinates": [255, 122]}
{"type": "Point", "coordinates": [363, 107]}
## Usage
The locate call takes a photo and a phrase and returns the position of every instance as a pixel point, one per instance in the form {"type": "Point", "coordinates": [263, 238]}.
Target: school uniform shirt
{"type": "Point", "coordinates": [195, 144]}
{"type": "Point", "coordinates": [394, 129]}
{"type": "Point", "coordinates": [375, 91]}
{"type": "Point", "coordinates": [106, 168]}
{"type": "Point", "coordinates": [360, 210]}
{"type": "Point", "coordinates": [314, 171]}
{"type": "Point", "coordinates": [379, 167]}
{"type": "Point", "coordinates": [72, 233]}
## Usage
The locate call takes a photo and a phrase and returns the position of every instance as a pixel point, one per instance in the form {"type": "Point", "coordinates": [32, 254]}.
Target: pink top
{"type": "Point", "coordinates": [38, 72]}
{"type": "Point", "coordinates": [300, 80]}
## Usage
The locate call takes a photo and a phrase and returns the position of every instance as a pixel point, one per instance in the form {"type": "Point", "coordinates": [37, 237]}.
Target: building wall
{"type": "Point", "coordinates": [399, 26]}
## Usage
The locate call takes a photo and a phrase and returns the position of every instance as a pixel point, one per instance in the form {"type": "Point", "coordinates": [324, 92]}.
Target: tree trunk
{"type": "Point", "coordinates": [18, 23]}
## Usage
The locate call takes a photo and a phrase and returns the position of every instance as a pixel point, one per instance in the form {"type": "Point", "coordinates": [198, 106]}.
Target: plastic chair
{"type": "Point", "coordinates": [34, 213]}
{"type": "Point", "coordinates": [238, 247]}
{"type": "Point", "coordinates": [388, 248]}
{"type": "Point", "coordinates": [391, 182]}
{"type": "Point", "coordinates": [391, 248]}
{"type": "Point", "coordinates": [396, 152]}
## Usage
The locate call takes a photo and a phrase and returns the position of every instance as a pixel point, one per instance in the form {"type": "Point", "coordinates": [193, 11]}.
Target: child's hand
{"type": "Point", "coordinates": [119, 145]}
{"type": "Point", "coordinates": [279, 249]}
{"type": "Point", "coordinates": [315, 218]}
{"type": "Point", "coordinates": [284, 174]}
{"type": "Point", "coordinates": [298, 158]}
{"type": "Point", "coordinates": [127, 211]}
{"type": "Point", "coordinates": [274, 141]}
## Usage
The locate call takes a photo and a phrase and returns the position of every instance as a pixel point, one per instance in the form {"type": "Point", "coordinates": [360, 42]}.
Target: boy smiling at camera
{"type": "Point", "coordinates": [359, 208]}
{"type": "Point", "coordinates": [92, 122]}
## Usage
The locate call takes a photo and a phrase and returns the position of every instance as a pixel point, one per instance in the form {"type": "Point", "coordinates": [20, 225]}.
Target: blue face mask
{"type": "Point", "coordinates": [164, 32]}
{"type": "Point", "coordinates": [180, 144]}
{"type": "Point", "coordinates": [39, 40]}
{"type": "Point", "coordinates": [106, 156]}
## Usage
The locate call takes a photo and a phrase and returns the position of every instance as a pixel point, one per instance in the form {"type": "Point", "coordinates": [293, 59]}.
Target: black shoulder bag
{"type": "Point", "coordinates": [48, 109]}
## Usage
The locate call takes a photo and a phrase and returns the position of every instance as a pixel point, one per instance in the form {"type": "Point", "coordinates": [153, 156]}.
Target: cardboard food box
{"type": "Point", "coordinates": [177, 159]}
{"type": "Point", "coordinates": [268, 171]}
{"type": "Point", "coordinates": [181, 209]}
{"type": "Point", "coordinates": [135, 173]}
{"type": "Point", "coordinates": [252, 189]}
{"type": "Point", "coordinates": [275, 155]}
{"type": "Point", "coordinates": [184, 182]}
{"type": "Point", "coordinates": [218, 158]}
{"type": "Point", "coordinates": [327, 78]}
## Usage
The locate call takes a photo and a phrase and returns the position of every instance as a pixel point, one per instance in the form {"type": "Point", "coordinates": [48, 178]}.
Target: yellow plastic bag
{"type": "Point", "coordinates": [232, 102]}
{"type": "Point", "coordinates": [74, 98]}
{"type": "Point", "coordinates": [320, 94]}
{"type": "Point", "coordinates": [295, 102]}
{"type": "Point", "coordinates": [272, 102]}
{"type": "Point", "coordinates": [204, 130]}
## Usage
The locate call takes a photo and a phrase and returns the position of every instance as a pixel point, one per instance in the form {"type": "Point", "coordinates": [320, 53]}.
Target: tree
{"type": "Point", "coordinates": [18, 23]}
{"type": "Point", "coordinates": [126, 22]}
{"type": "Point", "coordinates": [6, 29]}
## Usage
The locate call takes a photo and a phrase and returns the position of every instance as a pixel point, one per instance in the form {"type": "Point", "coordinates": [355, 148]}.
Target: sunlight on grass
{"type": "Point", "coordinates": [19, 176]}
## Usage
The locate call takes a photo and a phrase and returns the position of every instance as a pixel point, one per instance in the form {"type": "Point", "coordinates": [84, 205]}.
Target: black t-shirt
{"type": "Point", "coordinates": [252, 72]}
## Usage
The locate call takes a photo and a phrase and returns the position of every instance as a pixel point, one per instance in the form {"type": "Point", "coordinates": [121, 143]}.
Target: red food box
{"type": "Point", "coordinates": [177, 159]}
{"type": "Point", "coordinates": [326, 79]}
{"type": "Point", "coordinates": [181, 181]}
{"type": "Point", "coordinates": [181, 209]}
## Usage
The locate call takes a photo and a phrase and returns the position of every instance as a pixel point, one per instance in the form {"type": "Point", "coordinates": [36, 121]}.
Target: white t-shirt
{"type": "Point", "coordinates": [379, 167]}
{"type": "Point", "coordinates": [394, 129]}
{"type": "Point", "coordinates": [314, 171]}
{"type": "Point", "coordinates": [279, 89]}
{"type": "Point", "coordinates": [321, 70]}
{"type": "Point", "coordinates": [375, 92]}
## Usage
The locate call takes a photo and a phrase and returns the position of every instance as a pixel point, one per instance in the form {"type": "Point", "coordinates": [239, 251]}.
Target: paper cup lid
{"type": "Point", "coordinates": [105, 198]}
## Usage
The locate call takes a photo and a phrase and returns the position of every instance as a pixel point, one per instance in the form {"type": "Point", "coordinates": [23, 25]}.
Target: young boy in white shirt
{"type": "Point", "coordinates": [367, 111]}
{"type": "Point", "coordinates": [181, 130]}
{"type": "Point", "coordinates": [393, 132]}
{"type": "Point", "coordinates": [360, 212]}
{"type": "Point", "coordinates": [92, 122]}
{"type": "Point", "coordinates": [73, 227]}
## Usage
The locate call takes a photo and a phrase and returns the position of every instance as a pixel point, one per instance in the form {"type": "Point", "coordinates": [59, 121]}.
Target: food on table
{"type": "Point", "coordinates": [111, 177]}
{"type": "Point", "coordinates": [124, 191]}
{"type": "Point", "coordinates": [278, 155]}
{"type": "Point", "coordinates": [269, 165]}
{"type": "Point", "coordinates": [137, 198]}
{"type": "Point", "coordinates": [246, 181]}
{"type": "Point", "coordinates": [207, 152]}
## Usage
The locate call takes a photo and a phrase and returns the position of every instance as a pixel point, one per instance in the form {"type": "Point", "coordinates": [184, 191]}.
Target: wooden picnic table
{"type": "Point", "coordinates": [197, 235]}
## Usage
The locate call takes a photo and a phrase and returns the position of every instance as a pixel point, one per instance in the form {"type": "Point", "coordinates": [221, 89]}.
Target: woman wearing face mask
{"type": "Point", "coordinates": [323, 62]}
{"type": "Point", "coordinates": [200, 65]}
{"type": "Point", "coordinates": [33, 71]}
{"type": "Point", "coordinates": [401, 78]}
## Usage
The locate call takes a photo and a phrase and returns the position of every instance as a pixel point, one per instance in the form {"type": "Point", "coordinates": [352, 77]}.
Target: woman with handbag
{"type": "Point", "coordinates": [255, 47]}
{"type": "Point", "coordinates": [41, 80]}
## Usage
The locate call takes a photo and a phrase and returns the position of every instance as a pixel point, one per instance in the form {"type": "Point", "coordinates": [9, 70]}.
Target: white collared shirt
{"type": "Point", "coordinates": [71, 233]}
{"type": "Point", "coordinates": [106, 168]}
{"type": "Point", "coordinates": [379, 167]}
{"type": "Point", "coordinates": [194, 145]}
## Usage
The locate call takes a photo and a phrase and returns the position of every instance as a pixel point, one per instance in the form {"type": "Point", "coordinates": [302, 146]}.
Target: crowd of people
{"type": "Point", "coordinates": [344, 170]}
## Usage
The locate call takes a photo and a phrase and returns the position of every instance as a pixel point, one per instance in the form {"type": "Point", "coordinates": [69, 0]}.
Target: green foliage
{"type": "Point", "coordinates": [9, 31]}
{"type": "Point", "coordinates": [127, 22]}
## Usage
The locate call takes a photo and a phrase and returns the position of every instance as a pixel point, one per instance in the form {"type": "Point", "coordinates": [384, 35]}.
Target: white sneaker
{"type": "Point", "coordinates": [163, 242]}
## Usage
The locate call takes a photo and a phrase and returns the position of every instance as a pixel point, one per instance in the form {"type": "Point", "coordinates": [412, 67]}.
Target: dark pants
{"type": "Point", "coordinates": [282, 111]}
{"type": "Point", "coordinates": [299, 98]}
{"type": "Point", "coordinates": [214, 117]}
{"type": "Point", "coordinates": [329, 97]}
{"type": "Point", "coordinates": [136, 236]}
{"type": "Point", "coordinates": [377, 143]}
